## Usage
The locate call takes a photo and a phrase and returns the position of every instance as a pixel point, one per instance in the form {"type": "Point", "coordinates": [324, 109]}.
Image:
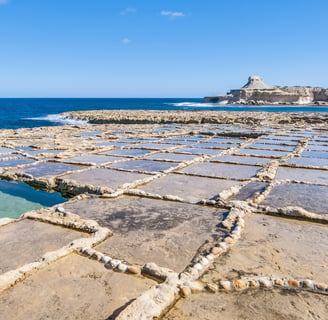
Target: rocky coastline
{"type": "Point", "coordinates": [256, 92]}
{"type": "Point", "coordinates": [197, 117]}
{"type": "Point", "coordinates": [171, 215]}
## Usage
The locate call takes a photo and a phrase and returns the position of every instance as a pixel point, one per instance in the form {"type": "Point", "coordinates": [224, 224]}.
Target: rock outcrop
{"type": "Point", "coordinates": [256, 92]}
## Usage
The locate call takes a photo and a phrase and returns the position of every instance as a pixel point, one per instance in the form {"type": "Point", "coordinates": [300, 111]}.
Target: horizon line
{"type": "Point", "coordinates": [101, 97]}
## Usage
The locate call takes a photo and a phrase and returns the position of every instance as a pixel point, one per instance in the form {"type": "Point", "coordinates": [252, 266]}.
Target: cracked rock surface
{"type": "Point", "coordinates": [171, 215]}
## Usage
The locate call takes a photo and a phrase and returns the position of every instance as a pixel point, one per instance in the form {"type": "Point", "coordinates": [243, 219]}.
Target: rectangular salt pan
{"type": "Point", "coordinates": [49, 169]}
{"type": "Point", "coordinates": [309, 197]}
{"type": "Point", "coordinates": [220, 170]}
{"type": "Point", "coordinates": [144, 165]}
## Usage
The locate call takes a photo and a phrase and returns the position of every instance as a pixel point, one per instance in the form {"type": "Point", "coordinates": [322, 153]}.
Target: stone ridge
{"type": "Point", "coordinates": [256, 92]}
{"type": "Point", "coordinates": [196, 117]}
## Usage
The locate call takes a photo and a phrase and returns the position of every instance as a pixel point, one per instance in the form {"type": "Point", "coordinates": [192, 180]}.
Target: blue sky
{"type": "Point", "coordinates": [158, 48]}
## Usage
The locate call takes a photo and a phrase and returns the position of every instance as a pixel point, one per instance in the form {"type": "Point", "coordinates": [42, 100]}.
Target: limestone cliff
{"type": "Point", "coordinates": [255, 91]}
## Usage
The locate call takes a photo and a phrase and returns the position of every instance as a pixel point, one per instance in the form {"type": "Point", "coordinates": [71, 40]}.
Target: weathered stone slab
{"type": "Point", "coordinates": [27, 240]}
{"type": "Point", "coordinates": [129, 152]}
{"type": "Point", "coordinates": [262, 153]}
{"type": "Point", "coordinates": [75, 287]}
{"type": "Point", "coordinates": [308, 162]}
{"type": "Point", "coordinates": [92, 159]}
{"type": "Point", "coordinates": [317, 147]}
{"type": "Point", "coordinates": [276, 246]}
{"type": "Point", "coordinates": [200, 151]}
{"type": "Point", "coordinates": [277, 147]}
{"type": "Point", "coordinates": [105, 177]}
{"type": "Point", "coordinates": [254, 304]}
{"type": "Point", "coordinates": [6, 150]}
{"type": "Point", "coordinates": [15, 162]}
{"type": "Point", "coordinates": [155, 146]}
{"type": "Point", "coordinates": [303, 175]}
{"type": "Point", "coordinates": [309, 197]}
{"type": "Point", "coordinates": [170, 156]}
{"type": "Point", "coordinates": [46, 170]}
{"type": "Point", "coordinates": [221, 170]}
{"type": "Point", "coordinates": [146, 230]}
{"type": "Point", "coordinates": [144, 165]}
{"type": "Point", "coordinates": [188, 188]}
{"type": "Point", "coordinates": [278, 142]}
{"type": "Point", "coordinates": [241, 160]}
{"type": "Point", "coordinates": [250, 190]}
{"type": "Point", "coordinates": [315, 154]}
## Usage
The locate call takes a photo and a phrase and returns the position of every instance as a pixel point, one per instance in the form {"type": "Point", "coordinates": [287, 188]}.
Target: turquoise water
{"type": "Point", "coordinates": [17, 198]}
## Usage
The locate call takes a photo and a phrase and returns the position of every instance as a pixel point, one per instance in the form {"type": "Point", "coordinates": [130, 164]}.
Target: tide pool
{"type": "Point", "coordinates": [17, 198]}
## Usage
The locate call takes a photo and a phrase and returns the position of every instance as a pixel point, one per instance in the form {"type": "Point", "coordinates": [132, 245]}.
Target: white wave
{"type": "Point", "coordinates": [193, 104]}
{"type": "Point", "coordinates": [58, 118]}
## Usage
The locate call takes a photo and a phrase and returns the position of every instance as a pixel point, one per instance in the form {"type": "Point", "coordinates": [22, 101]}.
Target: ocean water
{"type": "Point", "coordinates": [17, 198]}
{"type": "Point", "coordinates": [29, 113]}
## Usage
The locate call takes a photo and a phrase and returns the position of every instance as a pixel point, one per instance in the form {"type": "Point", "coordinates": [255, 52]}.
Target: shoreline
{"type": "Point", "coordinates": [196, 116]}
{"type": "Point", "coordinates": [168, 219]}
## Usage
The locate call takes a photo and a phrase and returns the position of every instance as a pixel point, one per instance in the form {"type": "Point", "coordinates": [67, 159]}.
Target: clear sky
{"type": "Point", "coordinates": [158, 48]}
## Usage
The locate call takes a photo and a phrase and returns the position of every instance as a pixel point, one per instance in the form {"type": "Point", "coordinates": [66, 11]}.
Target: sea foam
{"type": "Point", "coordinates": [58, 118]}
{"type": "Point", "coordinates": [193, 104]}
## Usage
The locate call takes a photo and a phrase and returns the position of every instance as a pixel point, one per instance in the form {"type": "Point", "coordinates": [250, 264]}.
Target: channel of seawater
{"type": "Point", "coordinates": [17, 198]}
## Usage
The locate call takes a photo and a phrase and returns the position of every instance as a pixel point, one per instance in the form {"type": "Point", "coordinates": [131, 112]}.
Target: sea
{"type": "Point", "coordinates": [17, 198]}
{"type": "Point", "coordinates": [28, 113]}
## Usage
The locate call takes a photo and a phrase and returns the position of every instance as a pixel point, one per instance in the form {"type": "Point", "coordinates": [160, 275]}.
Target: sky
{"type": "Point", "coordinates": [159, 48]}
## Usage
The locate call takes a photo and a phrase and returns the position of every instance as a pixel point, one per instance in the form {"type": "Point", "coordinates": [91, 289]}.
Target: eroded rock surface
{"type": "Point", "coordinates": [182, 215]}
{"type": "Point", "coordinates": [255, 91]}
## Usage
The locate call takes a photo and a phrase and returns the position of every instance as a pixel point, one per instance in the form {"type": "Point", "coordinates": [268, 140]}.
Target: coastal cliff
{"type": "Point", "coordinates": [256, 92]}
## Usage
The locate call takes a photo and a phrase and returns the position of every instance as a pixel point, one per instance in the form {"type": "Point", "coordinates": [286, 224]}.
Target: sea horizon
{"type": "Point", "coordinates": [38, 112]}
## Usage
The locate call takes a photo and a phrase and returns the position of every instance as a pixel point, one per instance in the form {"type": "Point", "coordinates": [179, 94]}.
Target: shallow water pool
{"type": "Point", "coordinates": [17, 198]}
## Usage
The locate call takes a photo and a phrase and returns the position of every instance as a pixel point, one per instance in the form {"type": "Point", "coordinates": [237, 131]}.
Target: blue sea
{"type": "Point", "coordinates": [29, 113]}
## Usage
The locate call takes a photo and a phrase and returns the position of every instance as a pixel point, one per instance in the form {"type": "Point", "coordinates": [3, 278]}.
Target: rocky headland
{"type": "Point", "coordinates": [256, 92]}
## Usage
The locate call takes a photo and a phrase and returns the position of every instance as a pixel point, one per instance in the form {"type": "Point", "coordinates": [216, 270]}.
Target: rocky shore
{"type": "Point", "coordinates": [171, 215]}
{"type": "Point", "coordinates": [198, 117]}
{"type": "Point", "coordinates": [256, 92]}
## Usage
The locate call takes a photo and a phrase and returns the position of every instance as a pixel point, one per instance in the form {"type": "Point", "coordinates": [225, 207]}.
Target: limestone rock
{"type": "Point", "coordinates": [256, 92]}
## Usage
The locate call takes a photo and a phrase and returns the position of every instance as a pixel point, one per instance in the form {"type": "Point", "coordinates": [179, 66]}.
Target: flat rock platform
{"type": "Point", "coordinates": [182, 215]}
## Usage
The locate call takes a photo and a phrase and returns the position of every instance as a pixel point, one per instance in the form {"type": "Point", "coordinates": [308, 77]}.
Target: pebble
{"type": "Point", "coordinates": [216, 250]}
{"type": "Point", "coordinates": [212, 287]}
{"type": "Point", "coordinates": [279, 282]}
{"type": "Point", "coordinates": [105, 259]}
{"type": "Point", "coordinates": [196, 286]}
{"type": "Point", "coordinates": [85, 250]}
{"type": "Point", "coordinates": [226, 285]}
{"type": "Point", "coordinates": [253, 283]}
{"type": "Point", "coordinates": [294, 283]}
{"type": "Point", "coordinates": [194, 272]}
{"type": "Point", "coordinates": [265, 283]}
{"type": "Point", "coordinates": [198, 266]}
{"type": "Point", "coordinates": [185, 292]}
{"type": "Point", "coordinates": [122, 267]}
{"type": "Point", "coordinates": [229, 240]}
{"type": "Point", "coordinates": [204, 261]}
{"type": "Point", "coordinates": [308, 284]}
{"type": "Point", "coordinates": [239, 284]}
{"type": "Point", "coordinates": [60, 209]}
{"type": "Point", "coordinates": [112, 264]}
{"type": "Point", "coordinates": [223, 246]}
{"type": "Point", "coordinates": [321, 286]}
{"type": "Point", "coordinates": [96, 256]}
{"type": "Point", "coordinates": [210, 257]}
{"type": "Point", "coordinates": [133, 270]}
